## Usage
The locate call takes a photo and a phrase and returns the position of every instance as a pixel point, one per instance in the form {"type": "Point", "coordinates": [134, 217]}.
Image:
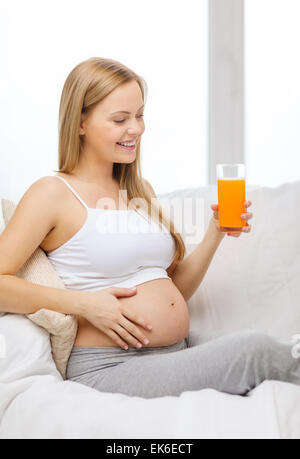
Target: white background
{"type": "Point", "coordinates": [272, 114]}
{"type": "Point", "coordinates": [166, 43]}
{"type": "Point", "coordinates": [163, 41]}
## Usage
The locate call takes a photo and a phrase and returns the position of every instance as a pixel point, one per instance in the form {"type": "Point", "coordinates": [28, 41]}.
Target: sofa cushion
{"type": "Point", "coordinates": [38, 270]}
{"type": "Point", "coordinates": [253, 281]}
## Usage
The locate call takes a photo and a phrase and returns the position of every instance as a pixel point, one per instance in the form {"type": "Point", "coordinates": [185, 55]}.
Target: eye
{"type": "Point", "coordinates": [122, 121]}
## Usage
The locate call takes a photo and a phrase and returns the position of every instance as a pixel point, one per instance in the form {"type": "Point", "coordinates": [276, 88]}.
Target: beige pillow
{"type": "Point", "coordinates": [38, 270]}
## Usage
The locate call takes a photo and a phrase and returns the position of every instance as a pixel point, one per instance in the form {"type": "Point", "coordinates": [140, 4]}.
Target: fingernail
{"type": "Point", "coordinates": [149, 327]}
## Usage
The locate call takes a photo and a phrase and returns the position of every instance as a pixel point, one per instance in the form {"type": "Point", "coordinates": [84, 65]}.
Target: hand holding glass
{"type": "Point", "coordinates": [231, 196]}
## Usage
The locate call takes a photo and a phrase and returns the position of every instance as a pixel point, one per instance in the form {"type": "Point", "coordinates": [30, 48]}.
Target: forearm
{"type": "Point", "coordinates": [19, 296]}
{"type": "Point", "coordinates": [190, 272]}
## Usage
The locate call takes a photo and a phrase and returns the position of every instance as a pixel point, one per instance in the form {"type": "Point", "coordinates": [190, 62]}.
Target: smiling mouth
{"type": "Point", "coordinates": [133, 147]}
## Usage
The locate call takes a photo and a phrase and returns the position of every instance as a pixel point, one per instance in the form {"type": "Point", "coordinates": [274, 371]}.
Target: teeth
{"type": "Point", "coordinates": [127, 144]}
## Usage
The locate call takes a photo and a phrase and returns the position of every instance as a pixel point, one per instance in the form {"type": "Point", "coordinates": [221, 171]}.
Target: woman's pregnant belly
{"type": "Point", "coordinates": [160, 303]}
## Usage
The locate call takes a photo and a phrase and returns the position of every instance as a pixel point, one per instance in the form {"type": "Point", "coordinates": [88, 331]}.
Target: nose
{"type": "Point", "coordinates": [135, 128]}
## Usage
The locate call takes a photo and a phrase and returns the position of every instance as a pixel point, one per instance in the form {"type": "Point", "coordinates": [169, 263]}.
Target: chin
{"type": "Point", "coordinates": [127, 161]}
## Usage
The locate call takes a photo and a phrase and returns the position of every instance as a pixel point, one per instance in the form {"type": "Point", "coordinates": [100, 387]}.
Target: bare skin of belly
{"type": "Point", "coordinates": [160, 303]}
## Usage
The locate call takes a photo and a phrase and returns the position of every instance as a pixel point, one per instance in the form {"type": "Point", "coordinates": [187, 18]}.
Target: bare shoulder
{"type": "Point", "coordinates": [42, 197]}
{"type": "Point", "coordinates": [47, 184]}
{"type": "Point", "coordinates": [35, 215]}
{"type": "Point", "coordinates": [46, 188]}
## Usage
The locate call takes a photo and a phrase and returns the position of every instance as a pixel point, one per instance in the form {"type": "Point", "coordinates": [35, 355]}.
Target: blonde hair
{"type": "Point", "coordinates": [88, 84]}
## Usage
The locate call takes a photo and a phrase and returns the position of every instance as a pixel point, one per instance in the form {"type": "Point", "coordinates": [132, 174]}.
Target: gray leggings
{"type": "Point", "coordinates": [232, 363]}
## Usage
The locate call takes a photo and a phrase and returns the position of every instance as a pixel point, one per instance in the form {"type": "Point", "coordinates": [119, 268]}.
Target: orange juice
{"type": "Point", "coordinates": [231, 200]}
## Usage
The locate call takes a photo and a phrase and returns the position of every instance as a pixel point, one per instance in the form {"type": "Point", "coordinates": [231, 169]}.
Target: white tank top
{"type": "Point", "coordinates": [119, 248]}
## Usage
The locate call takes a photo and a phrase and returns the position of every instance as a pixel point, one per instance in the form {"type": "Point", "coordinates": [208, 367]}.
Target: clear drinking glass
{"type": "Point", "coordinates": [231, 182]}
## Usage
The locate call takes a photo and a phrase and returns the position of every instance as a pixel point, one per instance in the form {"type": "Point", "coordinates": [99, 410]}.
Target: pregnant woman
{"type": "Point", "coordinates": [122, 259]}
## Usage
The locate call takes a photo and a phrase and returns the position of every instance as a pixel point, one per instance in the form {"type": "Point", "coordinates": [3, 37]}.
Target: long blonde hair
{"type": "Point", "coordinates": [88, 84]}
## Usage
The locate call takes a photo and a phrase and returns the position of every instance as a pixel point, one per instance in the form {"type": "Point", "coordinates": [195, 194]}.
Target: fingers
{"type": "Point", "coordinates": [245, 229]}
{"type": "Point", "coordinates": [135, 337]}
{"type": "Point", "coordinates": [120, 291]}
{"type": "Point", "coordinates": [116, 338]}
{"type": "Point", "coordinates": [216, 206]}
{"type": "Point", "coordinates": [133, 329]}
{"type": "Point", "coordinates": [247, 216]}
{"type": "Point", "coordinates": [135, 318]}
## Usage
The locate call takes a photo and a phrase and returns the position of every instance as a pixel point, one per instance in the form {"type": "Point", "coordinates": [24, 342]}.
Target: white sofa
{"type": "Point", "coordinates": [252, 282]}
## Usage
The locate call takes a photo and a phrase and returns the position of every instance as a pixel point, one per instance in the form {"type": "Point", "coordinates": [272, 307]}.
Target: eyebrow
{"type": "Point", "coordinates": [120, 111]}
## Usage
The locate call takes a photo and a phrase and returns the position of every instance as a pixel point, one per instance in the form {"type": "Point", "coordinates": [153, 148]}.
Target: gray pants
{"type": "Point", "coordinates": [233, 363]}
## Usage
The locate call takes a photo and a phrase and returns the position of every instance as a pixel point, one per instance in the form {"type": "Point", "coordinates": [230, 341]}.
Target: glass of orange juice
{"type": "Point", "coordinates": [231, 196]}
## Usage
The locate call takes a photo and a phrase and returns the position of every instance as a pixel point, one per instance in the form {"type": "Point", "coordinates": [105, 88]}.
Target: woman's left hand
{"type": "Point", "coordinates": [220, 229]}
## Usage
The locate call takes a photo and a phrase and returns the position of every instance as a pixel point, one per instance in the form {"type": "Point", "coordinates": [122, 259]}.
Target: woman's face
{"type": "Point", "coordinates": [106, 125]}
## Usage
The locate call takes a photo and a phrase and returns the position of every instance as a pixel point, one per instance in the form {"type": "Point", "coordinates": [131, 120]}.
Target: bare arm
{"type": "Point", "coordinates": [33, 219]}
{"type": "Point", "coordinates": [190, 272]}
{"type": "Point", "coordinates": [22, 297]}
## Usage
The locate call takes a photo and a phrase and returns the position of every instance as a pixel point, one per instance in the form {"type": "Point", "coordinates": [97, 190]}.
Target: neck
{"type": "Point", "coordinates": [94, 171]}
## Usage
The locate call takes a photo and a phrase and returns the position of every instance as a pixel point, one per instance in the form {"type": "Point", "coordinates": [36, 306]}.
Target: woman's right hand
{"type": "Point", "coordinates": [103, 310]}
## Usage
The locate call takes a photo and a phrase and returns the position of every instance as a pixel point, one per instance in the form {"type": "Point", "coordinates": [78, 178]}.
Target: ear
{"type": "Point", "coordinates": [81, 128]}
{"type": "Point", "coordinates": [82, 124]}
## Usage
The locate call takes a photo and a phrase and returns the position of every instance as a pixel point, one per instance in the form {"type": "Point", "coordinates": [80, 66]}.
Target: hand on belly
{"type": "Point", "coordinates": [160, 303]}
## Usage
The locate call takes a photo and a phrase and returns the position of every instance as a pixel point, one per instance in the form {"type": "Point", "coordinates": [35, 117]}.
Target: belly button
{"type": "Point", "coordinates": [172, 304]}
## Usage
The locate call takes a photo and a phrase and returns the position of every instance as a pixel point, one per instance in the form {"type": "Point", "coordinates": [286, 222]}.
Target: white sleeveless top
{"type": "Point", "coordinates": [119, 248]}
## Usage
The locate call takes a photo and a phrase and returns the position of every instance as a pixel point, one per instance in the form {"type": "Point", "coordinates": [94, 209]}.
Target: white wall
{"type": "Point", "coordinates": [164, 41]}
{"type": "Point", "coordinates": [272, 37]}
{"type": "Point", "coordinates": [226, 84]}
